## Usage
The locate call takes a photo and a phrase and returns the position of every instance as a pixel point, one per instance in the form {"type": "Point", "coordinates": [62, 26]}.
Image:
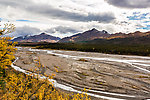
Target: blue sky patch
{"type": "Point", "coordinates": [145, 28]}
{"type": "Point", "coordinates": [22, 20]}
{"type": "Point", "coordinates": [138, 16]}
{"type": "Point", "coordinates": [146, 21]}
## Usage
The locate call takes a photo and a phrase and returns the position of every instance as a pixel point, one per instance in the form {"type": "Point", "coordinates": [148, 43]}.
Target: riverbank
{"type": "Point", "coordinates": [100, 72]}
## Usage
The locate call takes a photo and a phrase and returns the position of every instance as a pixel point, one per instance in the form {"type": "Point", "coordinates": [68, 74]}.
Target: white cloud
{"type": "Point", "coordinates": [77, 15]}
{"type": "Point", "coordinates": [130, 3]}
{"type": "Point", "coordinates": [23, 31]}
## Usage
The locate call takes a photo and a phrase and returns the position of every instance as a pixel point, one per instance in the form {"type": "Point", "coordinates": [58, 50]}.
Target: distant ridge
{"type": "Point", "coordinates": [43, 37]}
{"type": "Point", "coordinates": [89, 35]}
{"type": "Point", "coordinates": [96, 34]}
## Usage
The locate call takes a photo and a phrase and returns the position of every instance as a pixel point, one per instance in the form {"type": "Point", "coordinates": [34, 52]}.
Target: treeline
{"type": "Point", "coordinates": [123, 49]}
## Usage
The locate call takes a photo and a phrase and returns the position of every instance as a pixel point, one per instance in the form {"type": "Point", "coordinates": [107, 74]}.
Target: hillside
{"type": "Point", "coordinates": [134, 40]}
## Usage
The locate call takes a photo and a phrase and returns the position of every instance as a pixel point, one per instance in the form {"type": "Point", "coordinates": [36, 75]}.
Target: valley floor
{"type": "Point", "coordinates": [108, 76]}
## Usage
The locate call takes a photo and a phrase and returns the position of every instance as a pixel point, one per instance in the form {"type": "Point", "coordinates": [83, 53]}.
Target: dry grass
{"type": "Point", "coordinates": [82, 59]}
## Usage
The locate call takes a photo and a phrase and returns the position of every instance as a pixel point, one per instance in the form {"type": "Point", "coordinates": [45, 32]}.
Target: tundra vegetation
{"type": "Point", "coordinates": [101, 47]}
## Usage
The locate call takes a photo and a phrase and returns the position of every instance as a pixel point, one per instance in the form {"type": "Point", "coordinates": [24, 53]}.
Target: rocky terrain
{"type": "Point", "coordinates": [114, 77]}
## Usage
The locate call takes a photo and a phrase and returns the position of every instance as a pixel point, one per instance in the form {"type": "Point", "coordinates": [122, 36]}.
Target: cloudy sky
{"type": "Point", "coordinates": [67, 17]}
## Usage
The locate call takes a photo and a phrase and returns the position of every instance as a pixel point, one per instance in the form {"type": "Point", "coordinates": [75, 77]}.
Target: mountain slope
{"type": "Point", "coordinates": [123, 35]}
{"type": "Point", "coordinates": [134, 40]}
{"type": "Point", "coordinates": [86, 36]}
{"type": "Point", "coordinates": [38, 38]}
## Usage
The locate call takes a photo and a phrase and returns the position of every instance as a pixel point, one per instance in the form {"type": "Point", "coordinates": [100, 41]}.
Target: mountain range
{"type": "Point", "coordinates": [43, 37]}
{"type": "Point", "coordinates": [95, 34]}
{"type": "Point", "coordinates": [92, 35]}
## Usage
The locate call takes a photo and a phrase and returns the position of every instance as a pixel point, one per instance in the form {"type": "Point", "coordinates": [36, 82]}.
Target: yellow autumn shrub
{"type": "Point", "coordinates": [6, 54]}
